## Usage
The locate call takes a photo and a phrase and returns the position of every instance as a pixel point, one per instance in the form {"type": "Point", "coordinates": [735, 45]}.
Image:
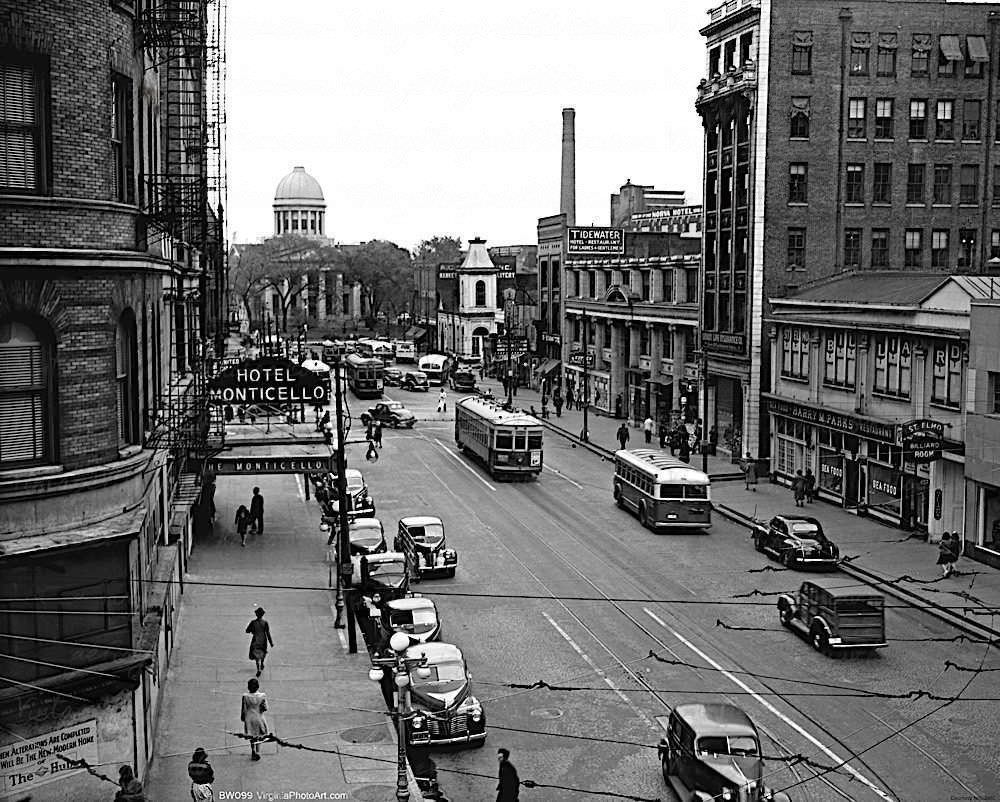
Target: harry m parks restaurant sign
{"type": "Point", "coordinates": [595, 240]}
{"type": "Point", "coordinates": [268, 380]}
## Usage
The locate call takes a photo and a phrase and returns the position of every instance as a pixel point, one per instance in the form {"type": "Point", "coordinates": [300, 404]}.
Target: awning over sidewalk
{"type": "Point", "coordinates": [128, 524]}
{"type": "Point", "coordinates": [415, 333]}
{"type": "Point", "coordinates": [547, 367]}
{"type": "Point", "coordinates": [273, 458]}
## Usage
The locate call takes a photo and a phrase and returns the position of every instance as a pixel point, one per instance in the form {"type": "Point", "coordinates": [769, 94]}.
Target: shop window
{"type": "Point", "coordinates": [884, 118]}
{"type": "Point", "coordinates": [918, 119]}
{"type": "Point", "coordinates": [794, 353]}
{"type": "Point", "coordinates": [789, 456]}
{"type": "Point", "coordinates": [799, 124]}
{"type": "Point", "coordinates": [884, 453]}
{"type": "Point", "coordinates": [946, 389]}
{"type": "Point", "coordinates": [892, 366]}
{"type": "Point", "coordinates": [916, 175]}
{"type": "Point", "coordinates": [920, 54]}
{"type": "Point", "coordinates": [989, 516]}
{"type": "Point", "coordinates": [802, 44]}
{"type": "Point", "coordinates": [840, 365]}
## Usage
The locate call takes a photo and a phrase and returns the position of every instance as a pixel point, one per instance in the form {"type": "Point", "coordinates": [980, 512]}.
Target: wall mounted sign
{"type": "Point", "coordinates": [922, 440]}
{"type": "Point", "coordinates": [578, 357]}
{"type": "Point", "coordinates": [725, 342]}
{"type": "Point", "coordinates": [860, 427]}
{"type": "Point", "coordinates": [268, 380]}
{"type": "Point", "coordinates": [31, 762]}
{"type": "Point", "coordinates": [244, 465]}
{"type": "Point", "coordinates": [595, 240]}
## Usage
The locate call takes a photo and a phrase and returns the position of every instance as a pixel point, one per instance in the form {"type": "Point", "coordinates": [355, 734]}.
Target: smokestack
{"type": "Point", "coordinates": [567, 189]}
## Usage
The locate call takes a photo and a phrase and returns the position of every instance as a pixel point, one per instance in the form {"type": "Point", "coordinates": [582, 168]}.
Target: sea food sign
{"type": "Point", "coordinates": [922, 440]}
{"type": "Point", "coordinates": [268, 380]}
{"type": "Point", "coordinates": [595, 240]}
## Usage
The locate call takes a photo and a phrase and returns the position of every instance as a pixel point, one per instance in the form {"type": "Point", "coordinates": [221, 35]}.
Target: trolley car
{"type": "Point", "coordinates": [365, 377]}
{"type": "Point", "coordinates": [509, 444]}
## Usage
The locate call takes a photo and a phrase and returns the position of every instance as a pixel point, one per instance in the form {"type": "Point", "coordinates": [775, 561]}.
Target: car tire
{"type": "Point", "coordinates": [665, 767]}
{"type": "Point", "coordinates": [788, 559]}
{"type": "Point", "coordinates": [617, 493]}
{"type": "Point", "coordinates": [450, 573]}
{"type": "Point", "coordinates": [785, 614]}
{"type": "Point", "coordinates": [643, 516]}
{"type": "Point", "coordinates": [395, 424]}
{"type": "Point", "coordinates": [819, 639]}
{"type": "Point", "coordinates": [758, 542]}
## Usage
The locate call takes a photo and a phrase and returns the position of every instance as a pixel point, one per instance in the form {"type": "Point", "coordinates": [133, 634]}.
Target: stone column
{"type": "Point", "coordinates": [616, 383]}
{"type": "Point", "coordinates": [321, 295]}
{"type": "Point", "coordinates": [864, 374]}
{"type": "Point", "coordinates": [816, 365]}
{"type": "Point", "coordinates": [680, 357]}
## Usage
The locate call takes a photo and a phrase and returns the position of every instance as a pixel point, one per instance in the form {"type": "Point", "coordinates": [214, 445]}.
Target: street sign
{"type": "Point", "coordinates": [577, 358]}
{"type": "Point", "coordinates": [922, 440]}
{"type": "Point", "coordinates": [501, 353]}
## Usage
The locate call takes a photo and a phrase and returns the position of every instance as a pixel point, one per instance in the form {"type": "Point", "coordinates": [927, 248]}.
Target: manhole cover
{"type": "Point", "coordinates": [547, 712]}
{"type": "Point", "coordinates": [373, 793]}
{"type": "Point", "coordinates": [366, 735]}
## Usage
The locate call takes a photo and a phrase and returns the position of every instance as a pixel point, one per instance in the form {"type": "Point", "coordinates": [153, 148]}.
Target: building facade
{"type": "Point", "coordinates": [468, 310]}
{"type": "Point", "coordinates": [112, 284]}
{"type": "Point", "coordinates": [837, 139]}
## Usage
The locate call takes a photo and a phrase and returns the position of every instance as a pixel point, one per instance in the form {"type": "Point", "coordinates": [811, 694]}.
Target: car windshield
{"type": "Point", "coordinates": [387, 573]}
{"type": "Point", "coordinates": [428, 534]}
{"type": "Point", "coordinates": [805, 529]}
{"type": "Point", "coordinates": [415, 621]}
{"type": "Point", "coordinates": [443, 677]}
{"type": "Point", "coordinates": [393, 405]}
{"type": "Point", "coordinates": [365, 534]}
{"type": "Point", "coordinates": [354, 483]}
{"type": "Point", "coordinates": [419, 378]}
{"type": "Point", "coordinates": [733, 745]}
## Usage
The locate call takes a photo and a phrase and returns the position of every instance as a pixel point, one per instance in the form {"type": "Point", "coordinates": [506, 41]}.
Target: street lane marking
{"type": "Point", "coordinates": [598, 670]}
{"type": "Point", "coordinates": [767, 705]}
{"type": "Point", "coordinates": [563, 476]}
{"type": "Point", "coordinates": [300, 488]}
{"type": "Point", "coordinates": [461, 462]}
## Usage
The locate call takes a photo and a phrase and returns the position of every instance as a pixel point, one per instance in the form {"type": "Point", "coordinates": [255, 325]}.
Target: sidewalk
{"type": "Point", "coordinates": [318, 694]}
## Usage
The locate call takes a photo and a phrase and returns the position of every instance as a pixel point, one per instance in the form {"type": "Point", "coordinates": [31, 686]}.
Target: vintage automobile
{"type": "Point", "coordinates": [415, 381]}
{"type": "Point", "coordinates": [392, 377]}
{"type": "Point", "coordinates": [835, 616]}
{"type": "Point", "coordinates": [380, 577]}
{"type": "Point", "coordinates": [796, 541]}
{"type": "Point", "coordinates": [414, 616]}
{"type": "Point", "coordinates": [406, 351]}
{"type": "Point", "coordinates": [421, 539]}
{"type": "Point", "coordinates": [445, 711]}
{"type": "Point", "coordinates": [712, 752]}
{"type": "Point", "coordinates": [390, 413]}
{"type": "Point", "coordinates": [366, 536]}
{"type": "Point", "coordinates": [463, 381]}
{"type": "Point", "coordinates": [362, 504]}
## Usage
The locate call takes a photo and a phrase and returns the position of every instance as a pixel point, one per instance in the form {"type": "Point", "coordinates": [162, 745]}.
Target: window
{"type": "Point", "coordinates": [796, 249]}
{"type": "Point", "coordinates": [939, 247]}
{"type": "Point", "coordinates": [855, 190]}
{"type": "Point", "coordinates": [948, 54]}
{"type": "Point", "coordinates": [23, 135]}
{"type": "Point", "coordinates": [966, 248]}
{"type": "Point", "coordinates": [946, 389]}
{"type": "Point", "coordinates": [920, 54]}
{"type": "Point", "coordinates": [556, 274]}
{"type": "Point", "coordinates": [883, 118]}
{"type": "Point", "coordinates": [480, 293]}
{"type": "Point", "coordinates": [667, 286]}
{"type": "Point", "coordinates": [971, 118]}
{"type": "Point", "coordinates": [746, 43]}
{"type": "Point", "coordinates": [977, 55]}
{"type": "Point", "coordinates": [882, 182]}
{"type": "Point", "coordinates": [880, 247]}
{"type": "Point", "coordinates": [797, 182]}
{"type": "Point", "coordinates": [729, 54]}
{"type": "Point", "coordinates": [795, 353]}
{"type": "Point", "coordinates": [995, 243]}
{"type": "Point", "coordinates": [944, 122]}
{"type": "Point", "coordinates": [892, 366]}
{"type": "Point", "coordinates": [647, 286]}
{"type": "Point", "coordinates": [126, 379]}
{"type": "Point", "coordinates": [577, 275]}
{"type": "Point", "coordinates": [861, 44]}
{"type": "Point", "coordinates": [996, 185]}
{"type": "Point", "coordinates": [885, 62]}
{"type": "Point", "coordinates": [691, 281]}
{"type": "Point", "coordinates": [942, 183]}
{"type": "Point", "coordinates": [968, 187]}
{"type": "Point", "coordinates": [26, 403]}
{"type": "Point", "coordinates": [996, 126]}
{"type": "Point", "coordinates": [994, 397]}
{"type": "Point", "coordinates": [914, 248]}
{"type": "Point", "coordinates": [802, 47]}
{"type": "Point", "coordinates": [857, 113]}
{"type": "Point", "coordinates": [713, 62]}
{"type": "Point", "coordinates": [918, 119]}
{"type": "Point", "coordinates": [915, 176]}
{"type": "Point", "coordinates": [592, 281]}
{"type": "Point", "coordinates": [799, 126]}
{"type": "Point", "coordinates": [840, 359]}
{"type": "Point", "coordinates": [852, 247]}
{"type": "Point", "coordinates": [122, 139]}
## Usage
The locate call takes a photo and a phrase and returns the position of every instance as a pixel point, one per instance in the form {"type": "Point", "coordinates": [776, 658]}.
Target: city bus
{"type": "Point", "coordinates": [364, 376]}
{"type": "Point", "coordinates": [436, 367]}
{"type": "Point", "coordinates": [509, 444]}
{"type": "Point", "coordinates": [662, 490]}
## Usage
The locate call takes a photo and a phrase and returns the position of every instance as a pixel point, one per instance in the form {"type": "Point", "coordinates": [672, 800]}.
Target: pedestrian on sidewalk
{"type": "Point", "coordinates": [956, 549]}
{"type": "Point", "coordinates": [557, 401]}
{"type": "Point", "coordinates": [799, 488]}
{"type": "Point", "coordinates": [442, 401]}
{"type": "Point", "coordinates": [377, 433]}
{"type": "Point", "coordinates": [508, 783]}
{"type": "Point", "coordinates": [242, 522]}
{"type": "Point", "coordinates": [257, 512]}
{"type": "Point", "coordinates": [946, 555]}
{"type": "Point", "coordinates": [697, 436]}
{"type": "Point", "coordinates": [623, 435]}
{"type": "Point", "coordinates": [569, 398]}
{"type": "Point", "coordinates": [810, 485]}
{"type": "Point", "coordinates": [597, 398]}
{"type": "Point", "coordinates": [252, 709]}
{"type": "Point", "coordinates": [545, 406]}
{"type": "Point", "coordinates": [202, 776]}
{"type": "Point", "coordinates": [713, 439]}
{"type": "Point", "coordinates": [260, 636]}
{"type": "Point", "coordinates": [129, 787]}
{"type": "Point", "coordinates": [647, 428]}
{"type": "Point", "coordinates": [749, 467]}
{"type": "Point", "coordinates": [684, 454]}
{"type": "Point", "coordinates": [663, 430]}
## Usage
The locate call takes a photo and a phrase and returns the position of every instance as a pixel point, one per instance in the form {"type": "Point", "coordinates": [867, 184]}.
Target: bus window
{"type": "Point", "coordinates": [534, 440]}
{"type": "Point", "coordinates": [520, 440]}
{"type": "Point", "coordinates": [505, 440]}
{"type": "Point", "coordinates": [672, 491]}
{"type": "Point", "coordinates": [696, 491]}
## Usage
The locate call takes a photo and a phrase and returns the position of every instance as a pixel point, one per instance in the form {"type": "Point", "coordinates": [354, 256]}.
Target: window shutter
{"type": "Point", "coordinates": [18, 120]}
{"type": "Point", "coordinates": [22, 413]}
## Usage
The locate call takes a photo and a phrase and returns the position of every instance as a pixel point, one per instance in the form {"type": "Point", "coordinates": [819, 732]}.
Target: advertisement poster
{"type": "Point", "coordinates": [24, 765]}
{"type": "Point", "coordinates": [831, 472]}
{"type": "Point", "coordinates": [884, 488]}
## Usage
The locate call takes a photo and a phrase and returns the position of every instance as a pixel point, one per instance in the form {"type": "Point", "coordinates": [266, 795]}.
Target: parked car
{"type": "Point", "coordinates": [712, 752]}
{"type": "Point", "coordinates": [362, 504]}
{"type": "Point", "coordinates": [835, 616]}
{"type": "Point", "coordinates": [421, 539]}
{"type": "Point", "coordinates": [414, 616]}
{"type": "Point", "coordinates": [796, 541]}
{"type": "Point", "coordinates": [366, 536]}
{"type": "Point", "coordinates": [390, 413]}
{"type": "Point", "coordinates": [392, 377]}
{"type": "Point", "coordinates": [381, 577]}
{"type": "Point", "coordinates": [445, 711]}
{"type": "Point", "coordinates": [463, 381]}
{"type": "Point", "coordinates": [415, 381]}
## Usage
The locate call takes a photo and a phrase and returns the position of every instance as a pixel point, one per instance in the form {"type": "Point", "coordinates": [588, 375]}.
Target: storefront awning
{"type": "Point", "coordinates": [950, 48]}
{"type": "Point", "coordinates": [128, 524]}
{"type": "Point", "coordinates": [547, 367]}
{"type": "Point", "coordinates": [977, 48]}
{"type": "Point", "coordinates": [414, 333]}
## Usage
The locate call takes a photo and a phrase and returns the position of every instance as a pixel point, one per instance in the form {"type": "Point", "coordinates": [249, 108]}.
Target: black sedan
{"type": "Point", "coordinates": [390, 413]}
{"type": "Point", "coordinates": [366, 536]}
{"type": "Point", "coordinates": [392, 377]}
{"type": "Point", "coordinates": [797, 541]}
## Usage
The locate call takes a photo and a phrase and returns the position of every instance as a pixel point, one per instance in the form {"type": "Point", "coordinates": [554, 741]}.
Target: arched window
{"type": "Point", "coordinates": [126, 379]}
{"type": "Point", "coordinates": [479, 335]}
{"type": "Point", "coordinates": [26, 403]}
{"type": "Point", "coordinates": [480, 293]}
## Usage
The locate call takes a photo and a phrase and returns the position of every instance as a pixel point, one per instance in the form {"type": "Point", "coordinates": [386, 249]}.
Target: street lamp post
{"type": "Point", "coordinates": [704, 410]}
{"type": "Point", "coordinates": [343, 549]}
{"type": "Point", "coordinates": [585, 434]}
{"type": "Point", "coordinates": [401, 666]}
{"type": "Point", "coordinates": [508, 308]}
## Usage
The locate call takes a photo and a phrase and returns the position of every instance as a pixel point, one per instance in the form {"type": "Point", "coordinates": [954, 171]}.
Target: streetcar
{"type": "Point", "coordinates": [437, 368]}
{"type": "Point", "coordinates": [336, 349]}
{"type": "Point", "coordinates": [364, 376]}
{"type": "Point", "coordinates": [662, 490]}
{"type": "Point", "coordinates": [509, 444]}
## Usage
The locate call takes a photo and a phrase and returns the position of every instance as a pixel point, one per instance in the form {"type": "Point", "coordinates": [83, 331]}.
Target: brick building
{"type": "Point", "coordinates": [112, 285]}
{"type": "Point", "coordinates": [837, 139]}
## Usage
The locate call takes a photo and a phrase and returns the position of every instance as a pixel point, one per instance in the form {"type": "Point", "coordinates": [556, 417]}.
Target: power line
{"type": "Point", "coordinates": [57, 665]}
{"type": "Point", "coordinates": [81, 644]}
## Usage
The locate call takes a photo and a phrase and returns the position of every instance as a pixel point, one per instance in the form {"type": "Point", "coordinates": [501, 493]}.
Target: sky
{"type": "Point", "coordinates": [445, 118]}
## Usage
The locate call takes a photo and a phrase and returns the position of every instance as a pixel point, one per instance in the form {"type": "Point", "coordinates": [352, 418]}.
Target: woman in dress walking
{"type": "Point", "coordinates": [252, 710]}
{"type": "Point", "coordinates": [260, 637]}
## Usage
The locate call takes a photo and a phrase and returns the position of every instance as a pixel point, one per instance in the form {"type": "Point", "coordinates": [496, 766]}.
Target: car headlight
{"type": "Point", "coordinates": [476, 713]}
{"type": "Point", "coordinates": [727, 793]}
{"type": "Point", "coordinates": [418, 722]}
{"type": "Point", "coordinates": [377, 597]}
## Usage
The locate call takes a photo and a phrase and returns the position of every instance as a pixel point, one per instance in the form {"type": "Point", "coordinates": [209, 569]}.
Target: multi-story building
{"type": "Point", "coordinates": [549, 319]}
{"type": "Point", "coordinates": [837, 138]}
{"type": "Point", "coordinates": [112, 285]}
{"type": "Point", "coordinates": [469, 304]}
{"type": "Point", "coordinates": [639, 199]}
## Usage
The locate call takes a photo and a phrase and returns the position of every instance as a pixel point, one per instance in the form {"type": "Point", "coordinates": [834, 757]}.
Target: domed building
{"type": "Point", "coordinates": [299, 206]}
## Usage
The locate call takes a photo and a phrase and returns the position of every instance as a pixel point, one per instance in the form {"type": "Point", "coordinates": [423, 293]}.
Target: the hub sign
{"type": "Point", "coordinates": [269, 380]}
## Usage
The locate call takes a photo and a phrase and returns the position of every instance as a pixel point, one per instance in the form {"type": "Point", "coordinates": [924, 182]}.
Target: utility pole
{"type": "Point", "coordinates": [585, 434]}
{"type": "Point", "coordinates": [509, 321]}
{"type": "Point", "coordinates": [343, 550]}
{"type": "Point", "coordinates": [704, 410]}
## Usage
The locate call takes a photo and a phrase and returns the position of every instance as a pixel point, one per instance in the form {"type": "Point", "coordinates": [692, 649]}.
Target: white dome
{"type": "Point", "coordinates": [298, 186]}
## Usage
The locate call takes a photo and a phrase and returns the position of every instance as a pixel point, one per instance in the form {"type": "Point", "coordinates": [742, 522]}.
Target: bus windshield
{"type": "Point", "coordinates": [681, 491]}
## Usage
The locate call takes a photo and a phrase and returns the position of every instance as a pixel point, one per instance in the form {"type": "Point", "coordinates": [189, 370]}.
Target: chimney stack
{"type": "Point", "coordinates": [567, 189]}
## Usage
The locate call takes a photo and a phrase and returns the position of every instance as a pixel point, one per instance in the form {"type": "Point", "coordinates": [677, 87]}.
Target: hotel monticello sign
{"type": "Point", "coordinates": [271, 381]}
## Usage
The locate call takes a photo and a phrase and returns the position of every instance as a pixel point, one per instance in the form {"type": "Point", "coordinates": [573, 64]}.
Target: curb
{"type": "Point", "coordinates": [873, 580]}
